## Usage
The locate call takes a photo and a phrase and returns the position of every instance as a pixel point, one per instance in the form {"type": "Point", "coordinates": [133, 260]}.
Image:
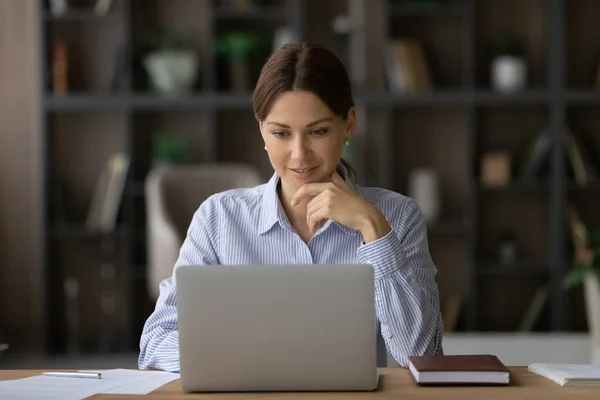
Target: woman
{"type": "Point", "coordinates": [311, 212]}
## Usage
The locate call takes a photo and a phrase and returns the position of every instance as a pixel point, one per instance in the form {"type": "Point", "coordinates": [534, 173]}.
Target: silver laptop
{"type": "Point", "coordinates": [277, 328]}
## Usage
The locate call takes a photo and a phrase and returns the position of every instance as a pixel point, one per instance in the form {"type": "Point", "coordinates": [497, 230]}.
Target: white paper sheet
{"type": "Point", "coordinates": [114, 381]}
{"type": "Point", "coordinates": [138, 382]}
{"type": "Point", "coordinates": [47, 387]}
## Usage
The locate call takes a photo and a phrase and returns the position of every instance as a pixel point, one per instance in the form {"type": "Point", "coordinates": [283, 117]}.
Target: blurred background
{"type": "Point", "coordinates": [118, 117]}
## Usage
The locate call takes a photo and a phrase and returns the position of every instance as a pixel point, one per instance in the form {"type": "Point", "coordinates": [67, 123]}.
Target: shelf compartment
{"type": "Point", "coordinates": [408, 9]}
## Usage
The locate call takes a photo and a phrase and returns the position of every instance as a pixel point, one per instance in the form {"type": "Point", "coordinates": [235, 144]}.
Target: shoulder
{"type": "Point", "coordinates": [385, 198]}
{"type": "Point", "coordinates": [396, 207]}
{"type": "Point", "coordinates": [231, 202]}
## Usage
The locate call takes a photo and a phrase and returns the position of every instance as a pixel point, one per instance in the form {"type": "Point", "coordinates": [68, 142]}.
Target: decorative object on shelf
{"type": "Point", "coordinates": [508, 68]}
{"type": "Point", "coordinates": [3, 348]}
{"type": "Point", "coordinates": [167, 150]}
{"type": "Point", "coordinates": [283, 35]}
{"type": "Point", "coordinates": [342, 26]}
{"type": "Point", "coordinates": [237, 48]}
{"type": "Point", "coordinates": [423, 188]}
{"type": "Point", "coordinates": [508, 247]}
{"type": "Point", "coordinates": [406, 66]}
{"type": "Point", "coordinates": [533, 159]}
{"type": "Point", "coordinates": [102, 7]}
{"type": "Point", "coordinates": [103, 213]}
{"type": "Point", "coordinates": [60, 67]}
{"type": "Point", "coordinates": [582, 168]}
{"type": "Point", "coordinates": [586, 271]}
{"type": "Point", "coordinates": [534, 310]}
{"type": "Point", "coordinates": [171, 66]}
{"type": "Point", "coordinates": [58, 7]}
{"type": "Point", "coordinates": [496, 169]}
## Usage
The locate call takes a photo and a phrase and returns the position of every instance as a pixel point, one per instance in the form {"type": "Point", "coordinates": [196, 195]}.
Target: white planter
{"type": "Point", "coordinates": [172, 72]}
{"type": "Point", "coordinates": [591, 287]}
{"type": "Point", "coordinates": [423, 188]}
{"type": "Point", "coordinates": [509, 74]}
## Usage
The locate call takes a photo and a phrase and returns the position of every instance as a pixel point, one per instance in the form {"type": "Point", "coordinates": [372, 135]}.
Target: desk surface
{"type": "Point", "coordinates": [395, 383]}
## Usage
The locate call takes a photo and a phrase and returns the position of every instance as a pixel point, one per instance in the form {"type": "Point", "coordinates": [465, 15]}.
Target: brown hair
{"type": "Point", "coordinates": [305, 66]}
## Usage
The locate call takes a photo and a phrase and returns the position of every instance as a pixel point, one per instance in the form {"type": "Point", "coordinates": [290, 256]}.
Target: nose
{"type": "Point", "coordinates": [300, 147]}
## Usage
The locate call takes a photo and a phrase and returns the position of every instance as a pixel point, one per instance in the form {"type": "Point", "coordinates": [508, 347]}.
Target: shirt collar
{"type": "Point", "coordinates": [272, 211]}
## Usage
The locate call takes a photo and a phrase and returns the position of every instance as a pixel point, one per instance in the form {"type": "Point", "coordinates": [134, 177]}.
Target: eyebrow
{"type": "Point", "coordinates": [308, 125]}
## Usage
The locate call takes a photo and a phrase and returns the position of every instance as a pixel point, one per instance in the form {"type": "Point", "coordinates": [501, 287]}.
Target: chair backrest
{"type": "Point", "coordinates": [173, 194]}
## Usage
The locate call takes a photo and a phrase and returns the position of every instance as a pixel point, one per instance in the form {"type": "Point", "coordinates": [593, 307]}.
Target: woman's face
{"type": "Point", "coordinates": [303, 138]}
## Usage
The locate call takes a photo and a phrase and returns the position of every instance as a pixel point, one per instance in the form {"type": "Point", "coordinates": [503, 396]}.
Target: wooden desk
{"type": "Point", "coordinates": [395, 383]}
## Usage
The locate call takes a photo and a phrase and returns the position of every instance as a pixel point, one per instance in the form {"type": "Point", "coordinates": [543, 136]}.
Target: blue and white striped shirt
{"type": "Point", "coordinates": [249, 226]}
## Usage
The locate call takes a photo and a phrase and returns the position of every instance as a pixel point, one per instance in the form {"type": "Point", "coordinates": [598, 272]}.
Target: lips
{"type": "Point", "coordinates": [303, 170]}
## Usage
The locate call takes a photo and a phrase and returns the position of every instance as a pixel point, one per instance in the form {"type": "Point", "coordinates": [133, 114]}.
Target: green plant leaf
{"type": "Point", "coordinates": [577, 274]}
{"type": "Point", "coordinates": [169, 149]}
{"type": "Point", "coordinates": [237, 46]}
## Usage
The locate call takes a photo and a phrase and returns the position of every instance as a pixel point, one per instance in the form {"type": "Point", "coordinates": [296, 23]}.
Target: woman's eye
{"type": "Point", "coordinates": [319, 131]}
{"type": "Point", "coordinates": [280, 134]}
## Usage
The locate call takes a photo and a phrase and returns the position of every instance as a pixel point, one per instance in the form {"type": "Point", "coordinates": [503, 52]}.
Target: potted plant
{"type": "Point", "coordinates": [171, 66]}
{"type": "Point", "coordinates": [167, 150]}
{"type": "Point", "coordinates": [586, 271]}
{"type": "Point", "coordinates": [508, 67]}
{"type": "Point", "coordinates": [237, 48]}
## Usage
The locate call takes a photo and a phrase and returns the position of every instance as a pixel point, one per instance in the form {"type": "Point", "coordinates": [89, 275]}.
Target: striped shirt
{"type": "Point", "coordinates": [249, 226]}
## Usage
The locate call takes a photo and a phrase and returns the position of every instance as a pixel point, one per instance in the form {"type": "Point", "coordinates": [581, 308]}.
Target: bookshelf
{"type": "Point", "coordinates": [448, 129]}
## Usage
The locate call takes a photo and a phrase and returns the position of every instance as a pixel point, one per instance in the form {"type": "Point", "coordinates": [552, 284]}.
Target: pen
{"type": "Point", "coordinates": [90, 375]}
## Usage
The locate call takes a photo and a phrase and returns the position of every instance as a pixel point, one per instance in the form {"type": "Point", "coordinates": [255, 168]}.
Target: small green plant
{"type": "Point", "coordinates": [237, 46]}
{"type": "Point", "coordinates": [167, 149]}
{"type": "Point", "coordinates": [586, 242]}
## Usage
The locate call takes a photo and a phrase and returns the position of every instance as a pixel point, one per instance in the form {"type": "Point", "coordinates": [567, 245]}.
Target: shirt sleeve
{"type": "Point", "coordinates": [159, 342]}
{"type": "Point", "coordinates": [406, 294]}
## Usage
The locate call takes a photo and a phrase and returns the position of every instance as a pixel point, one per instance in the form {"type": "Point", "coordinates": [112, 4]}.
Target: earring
{"type": "Point", "coordinates": [346, 142]}
{"type": "Point", "coordinates": [265, 147]}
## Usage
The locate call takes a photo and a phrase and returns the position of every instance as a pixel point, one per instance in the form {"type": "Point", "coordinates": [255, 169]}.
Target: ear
{"type": "Point", "coordinates": [350, 123]}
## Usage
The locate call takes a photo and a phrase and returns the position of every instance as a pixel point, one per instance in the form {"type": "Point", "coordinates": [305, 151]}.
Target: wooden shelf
{"type": "Point", "coordinates": [213, 100]}
{"type": "Point", "coordinates": [583, 96]}
{"type": "Point", "coordinates": [531, 96]}
{"type": "Point", "coordinates": [456, 8]}
{"type": "Point", "coordinates": [516, 186]}
{"type": "Point", "coordinates": [256, 13]}
{"type": "Point", "coordinates": [75, 15]}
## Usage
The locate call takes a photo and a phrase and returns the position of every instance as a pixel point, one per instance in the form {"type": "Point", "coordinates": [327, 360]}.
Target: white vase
{"type": "Point", "coordinates": [591, 286]}
{"type": "Point", "coordinates": [172, 72]}
{"type": "Point", "coordinates": [509, 74]}
{"type": "Point", "coordinates": [423, 188]}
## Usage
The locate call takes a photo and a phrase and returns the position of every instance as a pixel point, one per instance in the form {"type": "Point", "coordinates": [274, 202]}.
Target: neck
{"type": "Point", "coordinates": [297, 213]}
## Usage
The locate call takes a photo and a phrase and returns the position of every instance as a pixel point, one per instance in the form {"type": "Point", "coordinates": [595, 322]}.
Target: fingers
{"type": "Point", "coordinates": [310, 189]}
{"type": "Point", "coordinates": [318, 202]}
{"type": "Point", "coordinates": [316, 219]}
